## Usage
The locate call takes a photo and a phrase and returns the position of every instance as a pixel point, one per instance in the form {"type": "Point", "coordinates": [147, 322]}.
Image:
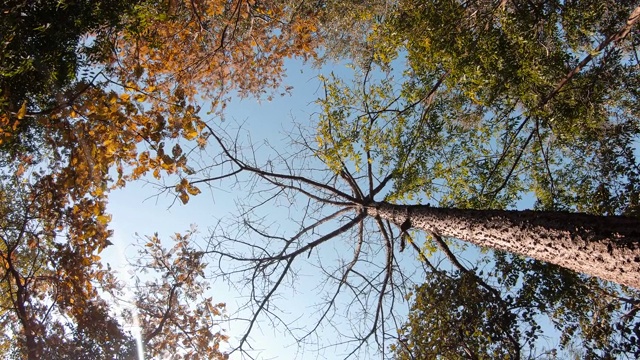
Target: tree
{"type": "Point", "coordinates": [381, 144]}
{"type": "Point", "coordinates": [460, 123]}
{"type": "Point", "coordinates": [348, 29]}
{"type": "Point", "coordinates": [177, 319]}
{"type": "Point", "coordinates": [500, 313]}
{"type": "Point", "coordinates": [265, 257]}
{"type": "Point", "coordinates": [44, 51]}
{"type": "Point", "coordinates": [605, 247]}
{"type": "Point", "coordinates": [42, 46]}
{"type": "Point", "coordinates": [101, 106]}
{"type": "Point", "coordinates": [452, 317]}
{"type": "Point", "coordinates": [58, 298]}
{"type": "Point", "coordinates": [541, 69]}
{"type": "Point", "coordinates": [51, 304]}
{"type": "Point", "coordinates": [180, 53]}
{"type": "Point", "coordinates": [162, 53]}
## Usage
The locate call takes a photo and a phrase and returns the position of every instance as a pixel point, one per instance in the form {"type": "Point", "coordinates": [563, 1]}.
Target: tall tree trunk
{"type": "Point", "coordinates": [604, 246]}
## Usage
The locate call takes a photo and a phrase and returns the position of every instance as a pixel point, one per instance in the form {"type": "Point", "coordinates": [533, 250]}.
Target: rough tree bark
{"type": "Point", "coordinates": [604, 246]}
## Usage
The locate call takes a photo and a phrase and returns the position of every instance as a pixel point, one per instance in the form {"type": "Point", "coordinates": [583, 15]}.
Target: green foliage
{"type": "Point", "coordinates": [501, 101]}
{"type": "Point", "coordinates": [454, 317]}
{"type": "Point", "coordinates": [509, 81]}
{"type": "Point", "coordinates": [460, 316]}
{"type": "Point", "coordinates": [40, 46]}
{"type": "Point", "coordinates": [598, 318]}
{"type": "Point", "coordinates": [400, 127]}
{"type": "Point", "coordinates": [45, 45]}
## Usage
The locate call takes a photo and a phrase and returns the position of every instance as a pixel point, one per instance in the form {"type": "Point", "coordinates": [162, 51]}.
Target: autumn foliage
{"type": "Point", "coordinates": [129, 108]}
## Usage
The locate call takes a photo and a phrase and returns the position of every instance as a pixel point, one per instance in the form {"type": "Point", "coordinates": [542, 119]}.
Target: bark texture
{"type": "Point", "coordinates": [604, 246]}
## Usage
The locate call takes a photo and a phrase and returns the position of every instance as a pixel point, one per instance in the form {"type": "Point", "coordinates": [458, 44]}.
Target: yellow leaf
{"type": "Point", "coordinates": [23, 110]}
{"type": "Point", "coordinates": [193, 190]}
{"type": "Point", "coordinates": [184, 198]}
{"type": "Point", "coordinates": [144, 157]}
{"type": "Point", "coordinates": [104, 219]}
{"type": "Point", "coordinates": [189, 131]}
{"type": "Point", "coordinates": [98, 191]}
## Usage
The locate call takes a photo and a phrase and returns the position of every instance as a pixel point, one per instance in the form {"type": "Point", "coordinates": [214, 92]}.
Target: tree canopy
{"type": "Point", "coordinates": [95, 94]}
{"type": "Point", "coordinates": [454, 107]}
